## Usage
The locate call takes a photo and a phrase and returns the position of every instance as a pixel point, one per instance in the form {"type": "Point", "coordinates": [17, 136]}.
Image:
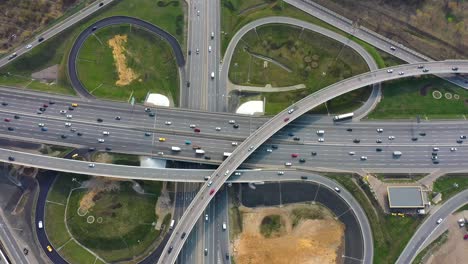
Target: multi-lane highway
{"type": "Point", "coordinates": [57, 29]}
{"type": "Point", "coordinates": [429, 226]}
{"type": "Point", "coordinates": [240, 154]}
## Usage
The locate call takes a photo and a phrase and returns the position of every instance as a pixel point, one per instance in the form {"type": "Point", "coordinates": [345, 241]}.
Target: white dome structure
{"type": "Point", "coordinates": [157, 100]}
{"type": "Point", "coordinates": [251, 108]}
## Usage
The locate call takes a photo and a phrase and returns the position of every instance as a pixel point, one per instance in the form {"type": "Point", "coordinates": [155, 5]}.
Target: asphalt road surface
{"type": "Point", "coordinates": [240, 154]}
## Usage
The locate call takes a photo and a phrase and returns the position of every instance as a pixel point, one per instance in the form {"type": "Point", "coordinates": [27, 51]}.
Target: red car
{"type": "Point", "coordinates": [7, 119]}
{"type": "Point", "coordinates": [45, 105]}
{"type": "Point", "coordinates": [465, 237]}
{"type": "Point", "coordinates": [294, 155]}
{"type": "Point", "coordinates": [286, 119]}
{"type": "Point", "coordinates": [197, 130]}
{"type": "Point", "coordinates": [212, 191]}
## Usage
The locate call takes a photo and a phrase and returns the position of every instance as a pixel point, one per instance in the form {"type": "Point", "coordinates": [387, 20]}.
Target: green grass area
{"type": "Point", "coordinates": [305, 58]}
{"type": "Point", "coordinates": [122, 226]}
{"type": "Point", "coordinates": [117, 158]}
{"type": "Point", "coordinates": [431, 248]}
{"type": "Point", "coordinates": [237, 13]}
{"type": "Point", "coordinates": [408, 98]}
{"type": "Point", "coordinates": [271, 225]}
{"type": "Point", "coordinates": [74, 253]}
{"type": "Point", "coordinates": [306, 212]}
{"type": "Point", "coordinates": [149, 57]}
{"type": "Point", "coordinates": [54, 224]}
{"type": "Point", "coordinates": [450, 185]}
{"type": "Point", "coordinates": [463, 208]}
{"type": "Point", "coordinates": [235, 217]}
{"type": "Point", "coordinates": [55, 51]}
{"type": "Point", "coordinates": [390, 233]}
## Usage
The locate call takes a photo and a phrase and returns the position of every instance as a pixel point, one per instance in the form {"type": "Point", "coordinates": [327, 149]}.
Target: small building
{"type": "Point", "coordinates": [405, 197]}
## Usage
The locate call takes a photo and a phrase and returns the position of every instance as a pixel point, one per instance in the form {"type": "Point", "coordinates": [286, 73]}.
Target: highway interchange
{"type": "Point", "coordinates": [131, 128]}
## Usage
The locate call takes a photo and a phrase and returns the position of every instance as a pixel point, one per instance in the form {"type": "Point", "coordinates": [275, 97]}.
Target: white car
{"type": "Point", "coordinates": [41, 124]}
{"type": "Point", "coordinates": [269, 150]}
{"type": "Point", "coordinates": [206, 217]}
{"type": "Point", "coordinates": [105, 133]}
{"type": "Point", "coordinates": [91, 165]}
{"type": "Point", "coordinates": [290, 111]}
{"type": "Point", "coordinates": [251, 147]}
{"type": "Point", "coordinates": [100, 140]}
{"type": "Point", "coordinates": [401, 73]}
{"type": "Point", "coordinates": [287, 164]}
{"type": "Point", "coordinates": [379, 130]}
{"type": "Point", "coordinates": [63, 111]}
{"type": "Point", "coordinates": [209, 183]}
{"type": "Point", "coordinates": [209, 48]}
{"type": "Point", "coordinates": [193, 126]}
{"type": "Point", "coordinates": [29, 46]}
{"type": "Point", "coordinates": [69, 116]}
{"type": "Point", "coordinates": [389, 70]}
{"type": "Point", "coordinates": [280, 173]}
{"type": "Point", "coordinates": [40, 225]}
{"type": "Point", "coordinates": [217, 128]}
{"type": "Point", "coordinates": [321, 140]}
{"type": "Point", "coordinates": [232, 122]}
{"type": "Point", "coordinates": [363, 157]}
{"type": "Point", "coordinates": [352, 153]}
{"type": "Point", "coordinates": [337, 189]}
{"type": "Point", "coordinates": [392, 48]}
{"type": "Point", "coordinates": [391, 137]}
{"type": "Point", "coordinates": [68, 124]}
{"type": "Point", "coordinates": [168, 123]}
{"type": "Point", "coordinates": [439, 220]}
{"type": "Point", "coordinates": [234, 143]}
{"type": "Point", "coordinates": [160, 153]}
{"type": "Point", "coordinates": [453, 149]}
{"type": "Point", "coordinates": [238, 173]}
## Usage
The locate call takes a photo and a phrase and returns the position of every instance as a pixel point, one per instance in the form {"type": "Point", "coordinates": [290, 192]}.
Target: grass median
{"type": "Point", "coordinates": [283, 55]}
{"type": "Point", "coordinates": [109, 218]}
{"type": "Point", "coordinates": [168, 15]}
{"type": "Point", "coordinates": [146, 65]}
{"type": "Point", "coordinates": [450, 184]}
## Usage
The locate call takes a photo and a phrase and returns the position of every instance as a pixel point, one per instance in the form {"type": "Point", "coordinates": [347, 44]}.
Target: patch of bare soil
{"type": "Point", "coordinates": [126, 74]}
{"type": "Point", "coordinates": [163, 206]}
{"type": "Point", "coordinates": [310, 241]}
{"type": "Point", "coordinates": [455, 249]}
{"type": "Point", "coordinates": [96, 186]}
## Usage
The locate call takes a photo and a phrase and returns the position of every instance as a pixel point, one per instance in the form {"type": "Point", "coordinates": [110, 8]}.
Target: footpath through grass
{"type": "Point", "coordinates": [390, 233]}
{"type": "Point", "coordinates": [147, 56]}
{"type": "Point", "coordinates": [166, 14]}
{"type": "Point", "coordinates": [118, 226]}
{"type": "Point", "coordinates": [410, 97]}
{"type": "Point", "coordinates": [450, 184]}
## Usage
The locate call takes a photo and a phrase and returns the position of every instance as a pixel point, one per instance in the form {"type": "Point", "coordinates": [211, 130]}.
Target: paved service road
{"type": "Point", "coordinates": [58, 28]}
{"type": "Point", "coordinates": [240, 154]}
{"type": "Point", "coordinates": [74, 52]}
{"type": "Point", "coordinates": [427, 228]}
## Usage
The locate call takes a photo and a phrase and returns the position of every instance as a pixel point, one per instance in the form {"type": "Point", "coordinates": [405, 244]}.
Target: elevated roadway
{"type": "Point", "coordinates": [240, 154]}
{"type": "Point", "coordinates": [57, 29]}
{"type": "Point", "coordinates": [426, 230]}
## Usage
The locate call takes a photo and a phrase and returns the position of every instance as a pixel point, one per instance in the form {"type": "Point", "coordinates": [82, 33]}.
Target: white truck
{"type": "Point", "coordinates": [176, 149]}
{"type": "Point", "coordinates": [171, 226]}
{"type": "Point", "coordinates": [200, 151]}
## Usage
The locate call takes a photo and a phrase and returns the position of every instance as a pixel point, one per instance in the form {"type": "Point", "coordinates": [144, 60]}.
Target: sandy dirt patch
{"type": "Point", "coordinates": [126, 74]}
{"type": "Point", "coordinates": [96, 186]}
{"type": "Point", "coordinates": [310, 241]}
{"type": "Point", "coordinates": [455, 249]}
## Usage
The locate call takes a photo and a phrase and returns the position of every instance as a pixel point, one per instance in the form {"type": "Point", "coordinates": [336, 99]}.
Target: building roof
{"type": "Point", "coordinates": [405, 197]}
